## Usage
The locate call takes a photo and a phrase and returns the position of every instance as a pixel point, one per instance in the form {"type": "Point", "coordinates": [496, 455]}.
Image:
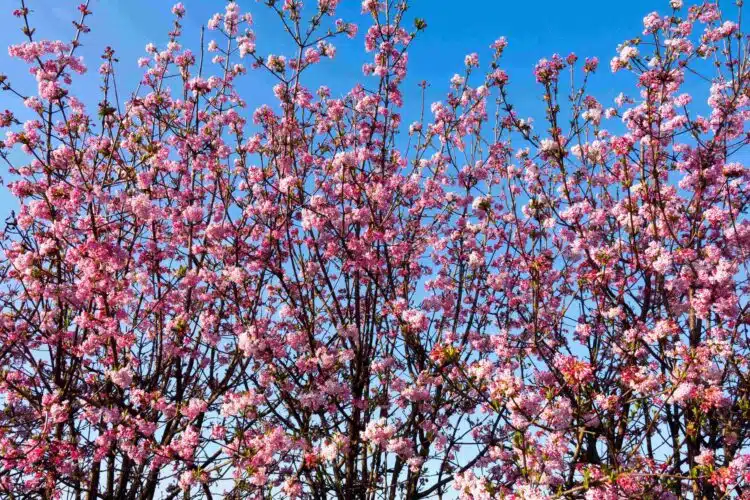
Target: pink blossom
{"type": "Point", "coordinates": [122, 377]}
{"type": "Point", "coordinates": [178, 9]}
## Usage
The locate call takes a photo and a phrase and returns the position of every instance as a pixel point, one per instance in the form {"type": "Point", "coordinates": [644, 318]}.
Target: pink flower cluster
{"type": "Point", "coordinates": [334, 295]}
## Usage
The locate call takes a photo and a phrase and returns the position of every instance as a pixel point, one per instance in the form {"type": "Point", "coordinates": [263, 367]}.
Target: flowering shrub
{"type": "Point", "coordinates": [314, 299]}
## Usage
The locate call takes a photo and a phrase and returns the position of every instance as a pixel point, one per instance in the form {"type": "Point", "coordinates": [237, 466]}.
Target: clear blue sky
{"type": "Point", "coordinates": [534, 29]}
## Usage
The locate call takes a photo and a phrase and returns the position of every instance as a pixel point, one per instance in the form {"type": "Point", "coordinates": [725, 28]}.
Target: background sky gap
{"type": "Point", "coordinates": [534, 30]}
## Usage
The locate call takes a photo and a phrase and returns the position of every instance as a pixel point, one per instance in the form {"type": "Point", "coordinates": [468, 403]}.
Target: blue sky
{"type": "Point", "coordinates": [534, 29]}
